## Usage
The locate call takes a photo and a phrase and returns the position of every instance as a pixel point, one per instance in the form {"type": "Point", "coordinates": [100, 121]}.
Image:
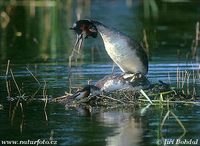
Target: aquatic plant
{"type": "Point", "coordinates": [22, 97]}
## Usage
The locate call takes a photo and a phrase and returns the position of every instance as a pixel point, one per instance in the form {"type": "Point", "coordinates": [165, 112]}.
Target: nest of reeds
{"type": "Point", "coordinates": [159, 93]}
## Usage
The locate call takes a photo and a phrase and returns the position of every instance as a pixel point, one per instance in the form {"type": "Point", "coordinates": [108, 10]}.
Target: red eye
{"type": "Point", "coordinates": [92, 30]}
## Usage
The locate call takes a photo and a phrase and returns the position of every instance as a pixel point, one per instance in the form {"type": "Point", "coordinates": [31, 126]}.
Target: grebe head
{"type": "Point", "coordinates": [85, 28]}
{"type": "Point", "coordinates": [86, 91]}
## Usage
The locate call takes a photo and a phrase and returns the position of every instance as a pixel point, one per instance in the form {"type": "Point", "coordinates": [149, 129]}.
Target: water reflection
{"type": "Point", "coordinates": [100, 127]}
{"type": "Point", "coordinates": [129, 131]}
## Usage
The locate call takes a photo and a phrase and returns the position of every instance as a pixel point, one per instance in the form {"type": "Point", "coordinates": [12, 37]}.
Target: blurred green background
{"type": "Point", "coordinates": [38, 30]}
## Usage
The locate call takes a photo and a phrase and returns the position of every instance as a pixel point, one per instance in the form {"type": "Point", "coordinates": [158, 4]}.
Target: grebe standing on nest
{"type": "Point", "coordinates": [124, 51]}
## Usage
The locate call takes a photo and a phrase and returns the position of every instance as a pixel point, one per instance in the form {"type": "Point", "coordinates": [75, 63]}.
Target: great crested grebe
{"type": "Point", "coordinates": [124, 51]}
{"type": "Point", "coordinates": [111, 83]}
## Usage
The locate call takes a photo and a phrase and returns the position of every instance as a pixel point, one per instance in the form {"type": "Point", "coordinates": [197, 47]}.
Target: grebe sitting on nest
{"type": "Point", "coordinates": [124, 51]}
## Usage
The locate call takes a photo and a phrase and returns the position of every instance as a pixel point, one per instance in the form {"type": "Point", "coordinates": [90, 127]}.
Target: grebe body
{"type": "Point", "coordinates": [124, 51]}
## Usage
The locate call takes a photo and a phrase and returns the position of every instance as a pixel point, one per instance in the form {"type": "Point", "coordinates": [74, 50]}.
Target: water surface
{"type": "Point", "coordinates": [35, 37]}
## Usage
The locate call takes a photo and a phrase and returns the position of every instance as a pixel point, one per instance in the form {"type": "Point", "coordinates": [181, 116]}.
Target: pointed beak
{"type": "Point", "coordinates": [75, 95]}
{"type": "Point", "coordinates": [71, 28]}
{"type": "Point", "coordinates": [79, 95]}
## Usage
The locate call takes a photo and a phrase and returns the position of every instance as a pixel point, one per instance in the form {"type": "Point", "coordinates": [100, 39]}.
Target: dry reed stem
{"type": "Point", "coordinates": [51, 135]}
{"type": "Point", "coordinates": [7, 84]}
{"type": "Point", "coordinates": [113, 99]}
{"type": "Point", "coordinates": [177, 120]}
{"type": "Point", "coordinates": [70, 62]}
{"type": "Point", "coordinates": [177, 77]}
{"type": "Point", "coordinates": [45, 100]}
{"type": "Point", "coordinates": [194, 83]}
{"type": "Point", "coordinates": [184, 76]}
{"type": "Point", "coordinates": [1, 106]}
{"type": "Point", "coordinates": [45, 95]}
{"type": "Point", "coordinates": [22, 112]}
{"type": "Point", "coordinates": [21, 125]}
{"type": "Point", "coordinates": [155, 102]}
{"type": "Point", "coordinates": [164, 119]}
{"type": "Point", "coordinates": [22, 109]}
{"type": "Point", "coordinates": [188, 82]}
{"type": "Point", "coordinates": [145, 95]}
{"type": "Point", "coordinates": [74, 54]}
{"type": "Point", "coordinates": [195, 41]}
{"type": "Point", "coordinates": [127, 97]}
{"type": "Point", "coordinates": [70, 85]}
{"type": "Point", "coordinates": [89, 82]}
{"type": "Point", "coordinates": [46, 116]}
{"type": "Point", "coordinates": [33, 76]}
{"type": "Point", "coordinates": [163, 93]}
{"type": "Point", "coordinates": [36, 81]}
{"type": "Point", "coordinates": [72, 57]}
{"type": "Point", "coordinates": [13, 77]}
{"type": "Point", "coordinates": [169, 78]}
{"type": "Point", "coordinates": [144, 109]}
{"type": "Point", "coordinates": [69, 73]}
{"type": "Point", "coordinates": [61, 97]}
{"type": "Point", "coordinates": [161, 97]}
{"type": "Point", "coordinates": [183, 79]}
{"type": "Point", "coordinates": [13, 111]}
{"type": "Point", "coordinates": [7, 68]}
{"type": "Point", "coordinates": [146, 44]}
{"type": "Point", "coordinates": [193, 77]}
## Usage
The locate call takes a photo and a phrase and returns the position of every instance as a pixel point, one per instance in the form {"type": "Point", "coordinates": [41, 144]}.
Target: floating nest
{"type": "Point", "coordinates": [158, 94]}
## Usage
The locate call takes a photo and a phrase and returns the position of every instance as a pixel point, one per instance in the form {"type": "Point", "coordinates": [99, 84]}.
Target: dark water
{"type": "Point", "coordinates": [35, 36]}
